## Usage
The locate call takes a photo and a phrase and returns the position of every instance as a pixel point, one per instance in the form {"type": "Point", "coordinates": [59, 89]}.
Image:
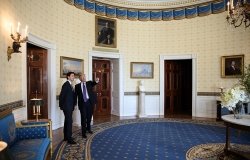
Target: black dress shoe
{"type": "Point", "coordinates": [84, 136]}
{"type": "Point", "coordinates": [91, 132]}
{"type": "Point", "coordinates": [71, 142]}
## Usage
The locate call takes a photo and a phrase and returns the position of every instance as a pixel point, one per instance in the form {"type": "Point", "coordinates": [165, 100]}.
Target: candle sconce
{"type": "Point", "coordinates": [221, 89]}
{"type": "Point", "coordinates": [36, 103]}
{"type": "Point", "coordinates": [16, 44]}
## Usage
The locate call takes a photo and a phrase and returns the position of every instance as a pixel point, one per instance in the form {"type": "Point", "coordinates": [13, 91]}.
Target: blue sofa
{"type": "Point", "coordinates": [25, 142]}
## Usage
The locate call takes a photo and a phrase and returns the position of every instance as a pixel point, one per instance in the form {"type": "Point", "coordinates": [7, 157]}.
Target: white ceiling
{"type": "Point", "coordinates": [152, 4]}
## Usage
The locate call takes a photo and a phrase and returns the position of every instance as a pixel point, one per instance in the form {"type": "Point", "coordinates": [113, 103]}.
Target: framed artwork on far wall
{"type": "Point", "coordinates": [141, 70]}
{"type": "Point", "coordinates": [232, 66]}
{"type": "Point", "coordinates": [105, 32]}
{"type": "Point", "coordinates": [68, 64]}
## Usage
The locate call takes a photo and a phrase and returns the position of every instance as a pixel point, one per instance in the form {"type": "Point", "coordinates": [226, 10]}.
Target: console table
{"type": "Point", "coordinates": [241, 124]}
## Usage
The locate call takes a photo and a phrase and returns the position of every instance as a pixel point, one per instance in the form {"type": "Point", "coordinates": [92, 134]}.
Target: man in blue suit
{"type": "Point", "coordinates": [67, 102]}
{"type": "Point", "coordinates": [86, 100]}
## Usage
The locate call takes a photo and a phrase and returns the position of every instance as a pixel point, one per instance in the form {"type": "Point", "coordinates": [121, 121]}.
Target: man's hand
{"type": "Point", "coordinates": [97, 80]}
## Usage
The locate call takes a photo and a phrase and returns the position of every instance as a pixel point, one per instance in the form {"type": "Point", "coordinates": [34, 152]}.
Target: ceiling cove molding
{"type": "Point", "coordinates": [103, 8]}
{"type": "Point", "coordinates": [145, 4]}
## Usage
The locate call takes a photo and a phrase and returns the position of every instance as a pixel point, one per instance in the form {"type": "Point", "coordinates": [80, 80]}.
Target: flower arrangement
{"type": "Point", "coordinates": [232, 96]}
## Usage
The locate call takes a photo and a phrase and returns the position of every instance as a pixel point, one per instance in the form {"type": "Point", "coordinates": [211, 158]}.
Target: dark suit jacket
{"type": "Point", "coordinates": [232, 71]}
{"type": "Point", "coordinates": [92, 95]}
{"type": "Point", "coordinates": [104, 33]}
{"type": "Point", "coordinates": [67, 97]}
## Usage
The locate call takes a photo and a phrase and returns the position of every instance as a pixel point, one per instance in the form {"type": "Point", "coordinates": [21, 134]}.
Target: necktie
{"type": "Point", "coordinates": [84, 92]}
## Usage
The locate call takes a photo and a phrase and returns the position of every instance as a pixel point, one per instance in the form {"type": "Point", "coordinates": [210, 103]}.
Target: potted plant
{"type": "Point", "coordinates": [245, 79]}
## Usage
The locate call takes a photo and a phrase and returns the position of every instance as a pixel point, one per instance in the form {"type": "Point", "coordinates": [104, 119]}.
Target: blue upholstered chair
{"type": "Point", "coordinates": [27, 142]}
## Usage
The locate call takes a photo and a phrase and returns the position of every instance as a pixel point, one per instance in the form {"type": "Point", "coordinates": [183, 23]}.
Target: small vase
{"type": "Point", "coordinates": [238, 111]}
{"type": "Point", "coordinates": [236, 114]}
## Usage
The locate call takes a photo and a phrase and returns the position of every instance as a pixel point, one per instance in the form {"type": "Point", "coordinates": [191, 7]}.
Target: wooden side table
{"type": "Point", "coordinates": [41, 122]}
{"type": "Point", "coordinates": [4, 151]}
{"type": "Point", "coordinates": [240, 124]}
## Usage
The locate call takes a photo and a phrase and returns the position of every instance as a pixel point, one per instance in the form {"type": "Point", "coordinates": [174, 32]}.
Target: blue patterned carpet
{"type": "Point", "coordinates": [147, 139]}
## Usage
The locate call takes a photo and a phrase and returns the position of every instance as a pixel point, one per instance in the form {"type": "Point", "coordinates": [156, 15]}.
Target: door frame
{"type": "Point", "coordinates": [51, 48]}
{"type": "Point", "coordinates": [194, 79]}
{"type": "Point", "coordinates": [110, 55]}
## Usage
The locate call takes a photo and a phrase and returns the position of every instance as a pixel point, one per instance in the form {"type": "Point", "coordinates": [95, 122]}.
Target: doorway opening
{"type": "Point", "coordinates": [178, 88]}
{"type": "Point", "coordinates": [37, 79]}
{"type": "Point", "coordinates": [101, 68]}
{"type": "Point", "coordinates": [116, 79]}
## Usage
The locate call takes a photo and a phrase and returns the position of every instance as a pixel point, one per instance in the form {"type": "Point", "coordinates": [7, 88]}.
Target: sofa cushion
{"type": "Point", "coordinates": [31, 132]}
{"type": "Point", "coordinates": [8, 129]}
{"type": "Point", "coordinates": [30, 149]}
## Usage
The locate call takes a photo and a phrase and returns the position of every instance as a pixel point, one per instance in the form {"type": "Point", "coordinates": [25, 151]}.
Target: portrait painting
{"type": "Point", "coordinates": [142, 70]}
{"type": "Point", "coordinates": [105, 34]}
{"type": "Point", "coordinates": [232, 66]}
{"type": "Point", "coordinates": [68, 64]}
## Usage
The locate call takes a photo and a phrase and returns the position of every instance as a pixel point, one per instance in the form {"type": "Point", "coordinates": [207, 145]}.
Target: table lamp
{"type": "Point", "coordinates": [36, 103]}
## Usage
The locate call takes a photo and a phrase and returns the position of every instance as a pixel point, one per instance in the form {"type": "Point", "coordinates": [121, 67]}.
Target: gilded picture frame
{"type": "Point", "coordinates": [68, 64]}
{"type": "Point", "coordinates": [232, 66]}
{"type": "Point", "coordinates": [142, 70]}
{"type": "Point", "coordinates": [105, 32]}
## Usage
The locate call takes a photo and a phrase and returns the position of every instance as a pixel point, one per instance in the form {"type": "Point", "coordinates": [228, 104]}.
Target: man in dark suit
{"type": "Point", "coordinates": [233, 69]}
{"type": "Point", "coordinates": [106, 35]}
{"type": "Point", "coordinates": [86, 101]}
{"type": "Point", "coordinates": [67, 102]}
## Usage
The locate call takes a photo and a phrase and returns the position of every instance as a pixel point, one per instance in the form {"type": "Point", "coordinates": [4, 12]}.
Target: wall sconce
{"type": "Point", "coordinates": [221, 89]}
{"type": "Point", "coordinates": [17, 41]}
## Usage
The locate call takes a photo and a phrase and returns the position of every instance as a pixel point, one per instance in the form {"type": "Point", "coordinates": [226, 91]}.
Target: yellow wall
{"type": "Point", "coordinates": [73, 30]}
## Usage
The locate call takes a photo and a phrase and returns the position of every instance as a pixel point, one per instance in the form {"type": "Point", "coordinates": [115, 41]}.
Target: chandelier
{"type": "Point", "coordinates": [238, 12]}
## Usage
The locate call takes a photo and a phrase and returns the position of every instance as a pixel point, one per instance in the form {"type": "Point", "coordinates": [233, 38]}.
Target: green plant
{"type": "Point", "coordinates": [245, 79]}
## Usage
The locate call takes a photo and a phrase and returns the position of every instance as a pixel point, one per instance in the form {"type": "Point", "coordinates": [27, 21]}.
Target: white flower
{"type": "Point", "coordinates": [232, 96]}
